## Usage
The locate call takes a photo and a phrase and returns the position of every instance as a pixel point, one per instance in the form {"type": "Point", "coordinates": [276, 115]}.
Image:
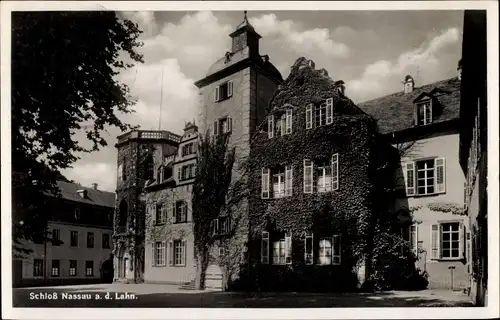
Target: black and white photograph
{"type": "Point", "coordinates": [218, 159]}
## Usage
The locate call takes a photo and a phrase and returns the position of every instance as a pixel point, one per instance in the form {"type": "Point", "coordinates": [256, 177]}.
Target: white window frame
{"type": "Point", "coordinates": [309, 254]}
{"type": "Point", "coordinates": [265, 178]}
{"type": "Point", "coordinates": [179, 254]}
{"type": "Point", "coordinates": [278, 192]}
{"type": "Point", "coordinates": [289, 118]}
{"type": "Point", "coordinates": [229, 90]}
{"type": "Point", "coordinates": [427, 112]}
{"type": "Point", "coordinates": [160, 253]}
{"type": "Point", "coordinates": [324, 174]}
{"type": "Point", "coordinates": [264, 248]}
{"type": "Point", "coordinates": [56, 271]}
{"type": "Point", "coordinates": [183, 212]}
{"type": "Point", "coordinates": [411, 170]}
{"type": "Point", "coordinates": [288, 180]}
{"type": "Point", "coordinates": [437, 240]}
{"type": "Point", "coordinates": [280, 245]}
{"type": "Point", "coordinates": [73, 270]}
{"type": "Point", "coordinates": [87, 273]}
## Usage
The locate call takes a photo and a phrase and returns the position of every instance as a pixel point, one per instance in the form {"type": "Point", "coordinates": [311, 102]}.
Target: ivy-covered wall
{"type": "Point", "coordinates": [352, 211]}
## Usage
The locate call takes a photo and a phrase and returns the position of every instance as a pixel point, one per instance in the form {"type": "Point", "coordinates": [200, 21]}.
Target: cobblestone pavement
{"type": "Point", "coordinates": [165, 296]}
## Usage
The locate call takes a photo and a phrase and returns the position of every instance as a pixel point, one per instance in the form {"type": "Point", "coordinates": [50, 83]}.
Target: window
{"type": "Point", "coordinates": [221, 251]}
{"type": "Point", "coordinates": [74, 239]}
{"type": "Point", "coordinates": [188, 149]}
{"type": "Point", "coordinates": [279, 124]}
{"type": "Point", "coordinates": [222, 226]}
{"type": "Point", "coordinates": [89, 268]}
{"type": "Point", "coordinates": [90, 239]}
{"type": "Point", "coordinates": [224, 91]}
{"type": "Point", "coordinates": [177, 253]}
{"type": "Point", "coordinates": [160, 214]}
{"type": "Point", "coordinates": [447, 240]}
{"type": "Point", "coordinates": [77, 213]}
{"type": "Point", "coordinates": [223, 125]}
{"type": "Point", "coordinates": [279, 251]}
{"type": "Point", "coordinates": [425, 177]}
{"type": "Point", "coordinates": [105, 241]}
{"type": "Point", "coordinates": [424, 113]}
{"type": "Point", "coordinates": [321, 175]}
{"type": "Point", "coordinates": [38, 268]}
{"type": "Point", "coordinates": [410, 234]}
{"type": "Point", "coordinates": [282, 182]}
{"type": "Point", "coordinates": [187, 172]}
{"type": "Point", "coordinates": [160, 253]}
{"type": "Point", "coordinates": [323, 114]}
{"type": "Point", "coordinates": [56, 237]}
{"type": "Point", "coordinates": [328, 250]}
{"type": "Point", "coordinates": [180, 212]}
{"type": "Point", "coordinates": [72, 268]}
{"type": "Point", "coordinates": [124, 170]}
{"type": "Point", "coordinates": [55, 268]}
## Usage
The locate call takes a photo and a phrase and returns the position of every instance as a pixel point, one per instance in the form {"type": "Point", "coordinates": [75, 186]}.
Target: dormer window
{"type": "Point", "coordinates": [423, 112]}
{"type": "Point", "coordinates": [279, 124]}
{"type": "Point", "coordinates": [188, 149]}
{"type": "Point", "coordinates": [224, 91]}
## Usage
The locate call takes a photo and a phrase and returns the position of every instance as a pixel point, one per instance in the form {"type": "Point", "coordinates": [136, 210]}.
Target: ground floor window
{"type": "Point", "coordinates": [177, 253]}
{"type": "Point", "coordinates": [38, 268]}
{"type": "Point", "coordinates": [55, 268]}
{"type": "Point", "coordinates": [160, 253]}
{"type": "Point", "coordinates": [72, 267]}
{"type": "Point", "coordinates": [89, 268]}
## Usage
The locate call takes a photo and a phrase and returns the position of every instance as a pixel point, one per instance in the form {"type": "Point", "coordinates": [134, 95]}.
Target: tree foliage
{"type": "Point", "coordinates": [210, 195]}
{"type": "Point", "coordinates": [63, 75]}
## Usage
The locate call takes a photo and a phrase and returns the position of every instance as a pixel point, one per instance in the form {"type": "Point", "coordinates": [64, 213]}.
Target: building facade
{"type": "Point", "coordinates": [169, 236]}
{"type": "Point", "coordinates": [78, 245]}
{"type": "Point", "coordinates": [422, 123]}
{"type": "Point", "coordinates": [474, 147]}
{"type": "Point", "coordinates": [135, 163]}
{"type": "Point", "coordinates": [313, 185]}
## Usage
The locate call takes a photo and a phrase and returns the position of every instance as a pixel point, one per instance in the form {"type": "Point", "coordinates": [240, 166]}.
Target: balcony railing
{"type": "Point", "coordinates": [149, 134]}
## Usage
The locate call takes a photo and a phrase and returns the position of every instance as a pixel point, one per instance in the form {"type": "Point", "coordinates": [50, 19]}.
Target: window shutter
{"type": "Point", "coordinates": [308, 248]}
{"type": "Point", "coordinates": [153, 213]}
{"type": "Point", "coordinates": [229, 89]}
{"type": "Point", "coordinates": [461, 245]}
{"type": "Point", "coordinates": [184, 252]}
{"type": "Point", "coordinates": [289, 121]}
{"type": "Point", "coordinates": [288, 180]}
{"type": "Point", "coordinates": [265, 183]}
{"type": "Point", "coordinates": [468, 247]}
{"type": "Point", "coordinates": [309, 116]}
{"type": "Point", "coordinates": [179, 173]}
{"type": "Point", "coordinates": [414, 238]}
{"type": "Point", "coordinates": [415, 115]}
{"type": "Point", "coordinates": [270, 126]}
{"type": "Point", "coordinates": [170, 253]}
{"type": "Point", "coordinates": [308, 176]}
{"type": "Point", "coordinates": [171, 212]}
{"type": "Point", "coordinates": [216, 127]}
{"type": "Point", "coordinates": [264, 250]}
{"type": "Point", "coordinates": [435, 242]}
{"type": "Point", "coordinates": [153, 254]}
{"type": "Point", "coordinates": [216, 226]}
{"type": "Point", "coordinates": [288, 248]}
{"type": "Point", "coordinates": [283, 125]}
{"type": "Point", "coordinates": [465, 197]}
{"type": "Point", "coordinates": [336, 250]}
{"type": "Point", "coordinates": [217, 93]}
{"type": "Point", "coordinates": [329, 110]}
{"type": "Point", "coordinates": [335, 171]}
{"type": "Point", "coordinates": [229, 124]}
{"type": "Point", "coordinates": [410, 178]}
{"type": "Point", "coordinates": [439, 164]}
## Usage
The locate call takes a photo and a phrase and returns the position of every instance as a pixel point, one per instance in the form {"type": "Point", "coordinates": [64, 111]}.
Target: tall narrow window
{"type": "Point", "coordinates": [288, 180]}
{"type": "Point", "coordinates": [324, 176]}
{"type": "Point", "coordinates": [74, 239]}
{"type": "Point", "coordinates": [72, 268]}
{"type": "Point", "coordinates": [320, 115]}
{"type": "Point", "coordinates": [325, 251]}
{"type": "Point", "coordinates": [279, 251]}
{"type": "Point", "coordinates": [55, 268]}
{"type": "Point", "coordinates": [424, 113]}
{"type": "Point", "coordinates": [309, 122]}
{"type": "Point", "coordinates": [56, 237]}
{"type": "Point", "coordinates": [160, 253]}
{"type": "Point", "coordinates": [181, 212]}
{"type": "Point", "coordinates": [265, 183]}
{"type": "Point", "coordinates": [89, 268]}
{"type": "Point", "coordinates": [308, 176]}
{"type": "Point", "coordinates": [38, 268]}
{"type": "Point", "coordinates": [105, 241]}
{"type": "Point", "coordinates": [278, 183]}
{"type": "Point", "coordinates": [308, 248]}
{"type": "Point", "coordinates": [264, 253]}
{"type": "Point", "coordinates": [90, 239]}
{"type": "Point", "coordinates": [289, 121]}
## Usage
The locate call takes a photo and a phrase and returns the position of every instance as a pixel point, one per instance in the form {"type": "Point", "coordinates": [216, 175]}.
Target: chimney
{"type": "Point", "coordinates": [94, 186]}
{"type": "Point", "coordinates": [459, 70]}
{"type": "Point", "coordinates": [409, 84]}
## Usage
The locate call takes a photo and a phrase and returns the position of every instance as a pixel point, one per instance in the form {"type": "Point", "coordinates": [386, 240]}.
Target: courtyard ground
{"type": "Point", "coordinates": [169, 296]}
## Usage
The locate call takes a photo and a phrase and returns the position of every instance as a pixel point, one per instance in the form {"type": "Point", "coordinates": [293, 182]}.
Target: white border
{"type": "Point", "coordinates": [345, 313]}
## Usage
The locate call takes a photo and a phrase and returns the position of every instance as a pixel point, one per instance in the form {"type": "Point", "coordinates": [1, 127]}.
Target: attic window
{"type": "Point", "coordinates": [423, 112]}
{"type": "Point", "coordinates": [82, 193]}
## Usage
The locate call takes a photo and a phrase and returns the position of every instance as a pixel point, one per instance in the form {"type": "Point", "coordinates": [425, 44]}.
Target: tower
{"type": "Point", "coordinates": [135, 165]}
{"type": "Point", "coordinates": [233, 97]}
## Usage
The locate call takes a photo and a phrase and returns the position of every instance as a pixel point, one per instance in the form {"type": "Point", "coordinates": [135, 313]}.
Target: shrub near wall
{"type": "Point", "coordinates": [347, 211]}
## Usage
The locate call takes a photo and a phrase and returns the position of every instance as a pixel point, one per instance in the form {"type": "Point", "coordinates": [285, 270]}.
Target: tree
{"type": "Point", "coordinates": [63, 75]}
{"type": "Point", "coordinates": [210, 196]}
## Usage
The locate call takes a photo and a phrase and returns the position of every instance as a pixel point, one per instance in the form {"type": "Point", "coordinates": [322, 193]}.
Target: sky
{"type": "Point", "coordinates": [371, 51]}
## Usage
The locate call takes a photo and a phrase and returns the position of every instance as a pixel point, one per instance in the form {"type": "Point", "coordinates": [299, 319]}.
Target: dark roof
{"type": "Point", "coordinates": [94, 197]}
{"type": "Point", "coordinates": [395, 112]}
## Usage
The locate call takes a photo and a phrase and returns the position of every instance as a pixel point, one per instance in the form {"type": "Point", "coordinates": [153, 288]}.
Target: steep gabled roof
{"type": "Point", "coordinates": [69, 191]}
{"type": "Point", "coordinates": [395, 112]}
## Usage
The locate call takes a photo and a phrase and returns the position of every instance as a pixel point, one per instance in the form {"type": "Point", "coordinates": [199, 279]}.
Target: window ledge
{"type": "Point", "coordinates": [183, 222]}
{"type": "Point", "coordinates": [447, 259]}
{"type": "Point", "coordinates": [426, 195]}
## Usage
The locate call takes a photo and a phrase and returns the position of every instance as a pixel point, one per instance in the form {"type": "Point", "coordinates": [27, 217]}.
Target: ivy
{"type": "Point", "coordinates": [452, 208]}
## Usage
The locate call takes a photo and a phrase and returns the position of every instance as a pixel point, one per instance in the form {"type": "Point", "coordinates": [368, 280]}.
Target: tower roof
{"type": "Point", "coordinates": [244, 25]}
